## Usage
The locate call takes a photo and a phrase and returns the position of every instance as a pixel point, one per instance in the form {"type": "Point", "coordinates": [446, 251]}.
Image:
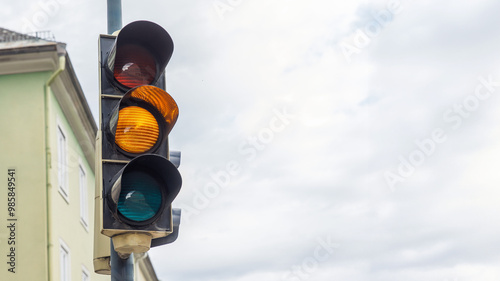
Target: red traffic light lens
{"type": "Point", "coordinates": [134, 66]}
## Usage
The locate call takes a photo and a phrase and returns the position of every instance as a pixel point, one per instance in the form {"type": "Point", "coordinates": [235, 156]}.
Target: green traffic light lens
{"type": "Point", "coordinates": [140, 197]}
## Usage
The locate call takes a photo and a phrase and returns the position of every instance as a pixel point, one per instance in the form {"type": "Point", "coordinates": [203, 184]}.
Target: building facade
{"type": "Point", "coordinates": [47, 165]}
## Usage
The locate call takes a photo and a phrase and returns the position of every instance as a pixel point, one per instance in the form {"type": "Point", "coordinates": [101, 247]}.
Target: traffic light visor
{"type": "Point", "coordinates": [160, 100]}
{"type": "Point", "coordinates": [146, 114]}
{"type": "Point", "coordinates": [141, 52]}
{"type": "Point", "coordinates": [143, 188]}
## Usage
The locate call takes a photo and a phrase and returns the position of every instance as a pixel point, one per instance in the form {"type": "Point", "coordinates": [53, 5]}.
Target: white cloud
{"type": "Point", "coordinates": [322, 175]}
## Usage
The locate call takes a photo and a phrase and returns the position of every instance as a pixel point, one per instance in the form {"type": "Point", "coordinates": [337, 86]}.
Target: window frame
{"type": "Point", "coordinates": [62, 162]}
{"type": "Point", "coordinates": [64, 261]}
{"type": "Point", "coordinates": [85, 273]}
{"type": "Point", "coordinates": [84, 196]}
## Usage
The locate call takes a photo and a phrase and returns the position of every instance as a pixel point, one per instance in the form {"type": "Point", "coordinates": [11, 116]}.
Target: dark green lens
{"type": "Point", "coordinates": [140, 196]}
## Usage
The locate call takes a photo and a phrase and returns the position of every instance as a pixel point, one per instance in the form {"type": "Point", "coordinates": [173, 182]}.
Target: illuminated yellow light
{"type": "Point", "coordinates": [161, 100]}
{"type": "Point", "coordinates": [137, 130]}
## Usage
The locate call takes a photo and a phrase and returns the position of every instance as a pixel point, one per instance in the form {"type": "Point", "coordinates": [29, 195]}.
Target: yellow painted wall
{"type": "Point", "coordinates": [65, 214]}
{"type": "Point", "coordinates": [23, 148]}
{"type": "Point", "coordinates": [22, 139]}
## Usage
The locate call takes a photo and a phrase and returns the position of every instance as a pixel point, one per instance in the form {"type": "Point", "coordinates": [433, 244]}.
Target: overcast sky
{"type": "Point", "coordinates": [321, 140]}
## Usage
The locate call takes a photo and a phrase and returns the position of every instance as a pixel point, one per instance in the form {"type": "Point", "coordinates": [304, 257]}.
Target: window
{"type": "Point", "coordinates": [84, 208]}
{"type": "Point", "coordinates": [64, 264]}
{"type": "Point", "coordinates": [61, 163]}
{"type": "Point", "coordinates": [85, 274]}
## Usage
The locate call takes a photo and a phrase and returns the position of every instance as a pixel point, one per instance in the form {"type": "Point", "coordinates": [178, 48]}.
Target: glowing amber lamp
{"type": "Point", "coordinates": [161, 100]}
{"type": "Point", "coordinates": [137, 130]}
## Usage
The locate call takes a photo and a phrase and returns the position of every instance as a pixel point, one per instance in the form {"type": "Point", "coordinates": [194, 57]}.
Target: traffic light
{"type": "Point", "coordinates": [138, 181]}
{"type": "Point", "coordinates": [176, 214]}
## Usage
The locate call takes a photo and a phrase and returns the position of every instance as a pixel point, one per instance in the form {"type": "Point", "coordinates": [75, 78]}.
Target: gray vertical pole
{"type": "Point", "coordinates": [121, 269]}
{"type": "Point", "coordinates": [114, 15]}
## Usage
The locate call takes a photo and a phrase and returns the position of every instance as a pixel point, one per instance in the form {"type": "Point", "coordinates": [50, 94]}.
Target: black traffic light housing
{"type": "Point", "coordinates": [138, 181]}
{"type": "Point", "coordinates": [141, 40]}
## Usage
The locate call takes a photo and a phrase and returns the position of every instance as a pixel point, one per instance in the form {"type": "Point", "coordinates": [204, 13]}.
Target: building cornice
{"type": "Point", "coordinates": [28, 59]}
{"type": "Point", "coordinates": [44, 56]}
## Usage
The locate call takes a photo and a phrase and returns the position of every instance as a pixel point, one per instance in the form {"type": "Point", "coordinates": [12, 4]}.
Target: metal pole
{"type": "Point", "coordinates": [121, 269]}
{"type": "Point", "coordinates": [114, 15]}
